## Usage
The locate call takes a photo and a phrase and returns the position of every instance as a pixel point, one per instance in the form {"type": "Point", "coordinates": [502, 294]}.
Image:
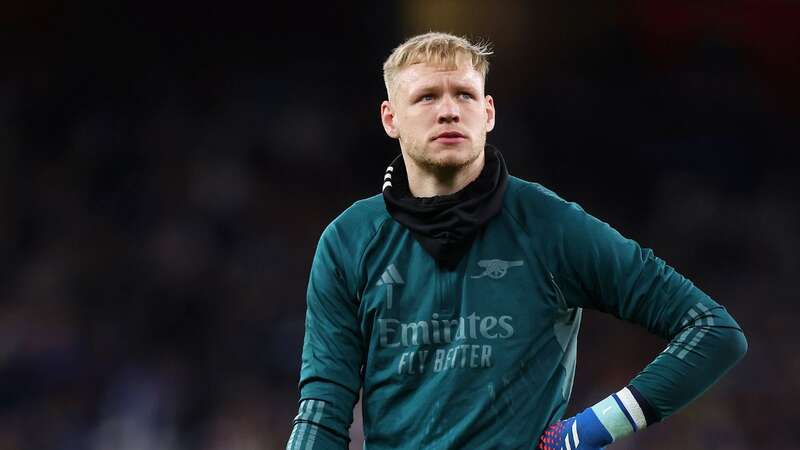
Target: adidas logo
{"type": "Point", "coordinates": [390, 277]}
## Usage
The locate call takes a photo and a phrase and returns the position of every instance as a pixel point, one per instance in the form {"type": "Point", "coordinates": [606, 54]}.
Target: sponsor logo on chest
{"type": "Point", "coordinates": [439, 344]}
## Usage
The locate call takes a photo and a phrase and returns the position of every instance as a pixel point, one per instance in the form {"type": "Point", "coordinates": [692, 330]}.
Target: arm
{"type": "Point", "coordinates": [332, 353]}
{"type": "Point", "coordinates": [605, 271]}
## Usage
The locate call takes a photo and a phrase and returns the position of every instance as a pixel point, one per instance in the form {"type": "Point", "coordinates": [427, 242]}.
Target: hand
{"type": "Point", "coordinates": [582, 432]}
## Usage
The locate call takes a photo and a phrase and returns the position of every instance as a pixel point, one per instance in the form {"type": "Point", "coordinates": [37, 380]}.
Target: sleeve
{"type": "Point", "coordinates": [332, 352]}
{"type": "Point", "coordinates": [605, 271]}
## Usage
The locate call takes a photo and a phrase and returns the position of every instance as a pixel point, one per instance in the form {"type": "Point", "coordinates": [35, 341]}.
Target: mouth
{"type": "Point", "coordinates": [449, 137]}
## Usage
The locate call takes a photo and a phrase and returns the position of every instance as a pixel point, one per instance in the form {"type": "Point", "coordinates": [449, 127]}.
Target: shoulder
{"type": "Point", "coordinates": [364, 216]}
{"type": "Point", "coordinates": [535, 205]}
{"type": "Point", "coordinates": [351, 231]}
{"type": "Point", "coordinates": [346, 239]}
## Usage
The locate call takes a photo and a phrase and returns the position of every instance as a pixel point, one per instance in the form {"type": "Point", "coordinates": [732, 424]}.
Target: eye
{"type": "Point", "coordinates": [425, 98]}
{"type": "Point", "coordinates": [465, 96]}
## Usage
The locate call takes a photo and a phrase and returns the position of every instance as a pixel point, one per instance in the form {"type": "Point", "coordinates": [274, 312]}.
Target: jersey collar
{"type": "Point", "coordinates": [446, 225]}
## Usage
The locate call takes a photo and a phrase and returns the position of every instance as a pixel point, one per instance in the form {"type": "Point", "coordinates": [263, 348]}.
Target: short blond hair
{"type": "Point", "coordinates": [438, 49]}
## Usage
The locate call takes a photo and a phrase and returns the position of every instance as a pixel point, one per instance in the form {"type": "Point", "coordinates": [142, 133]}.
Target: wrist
{"type": "Point", "coordinates": [620, 414]}
{"type": "Point", "coordinates": [615, 417]}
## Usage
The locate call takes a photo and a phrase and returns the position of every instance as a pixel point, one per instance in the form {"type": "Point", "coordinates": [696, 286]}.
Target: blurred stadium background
{"type": "Point", "coordinates": [166, 171]}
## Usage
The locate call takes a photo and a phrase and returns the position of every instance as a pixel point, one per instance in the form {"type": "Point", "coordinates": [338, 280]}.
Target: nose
{"type": "Point", "coordinates": [448, 110]}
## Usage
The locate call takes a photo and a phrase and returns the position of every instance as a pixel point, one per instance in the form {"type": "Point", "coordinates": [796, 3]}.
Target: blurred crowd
{"type": "Point", "coordinates": [161, 194]}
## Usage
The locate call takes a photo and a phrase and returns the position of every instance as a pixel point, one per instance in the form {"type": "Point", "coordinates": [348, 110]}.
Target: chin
{"type": "Point", "coordinates": [452, 161]}
{"type": "Point", "coordinates": [451, 158]}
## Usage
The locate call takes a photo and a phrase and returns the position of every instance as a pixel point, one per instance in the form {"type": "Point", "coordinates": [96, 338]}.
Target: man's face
{"type": "Point", "coordinates": [440, 116]}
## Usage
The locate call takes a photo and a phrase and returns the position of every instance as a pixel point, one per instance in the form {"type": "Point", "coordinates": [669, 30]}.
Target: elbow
{"type": "Point", "coordinates": [735, 344]}
{"type": "Point", "coordinates": [741, 344]}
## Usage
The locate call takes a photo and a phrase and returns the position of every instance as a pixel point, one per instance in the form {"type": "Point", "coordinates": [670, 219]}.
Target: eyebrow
{"type": "Point", "coordinates": [433, 87]}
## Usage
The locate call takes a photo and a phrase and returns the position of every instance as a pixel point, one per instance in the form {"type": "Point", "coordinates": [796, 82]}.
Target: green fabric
{"type": "Point", "coordinates": [605, 271]}
{"type": "Point", "coordinates": [484, 356]}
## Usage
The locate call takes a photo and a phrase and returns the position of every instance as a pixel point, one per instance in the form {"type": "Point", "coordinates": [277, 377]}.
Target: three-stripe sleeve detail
{"type": "Point", "coordinates": [701, 333]}
{"type": "Point", "coordinates": [701, 322]}
{"type": "Point", "coordinates": [301, 415]}
{"type": "Point", "coordinates": [306, 428]}
{"type": "Point", "coordinates": [313, 435]}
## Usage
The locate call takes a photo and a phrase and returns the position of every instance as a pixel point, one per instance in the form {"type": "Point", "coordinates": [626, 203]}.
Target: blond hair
{"type": "Point", "coordinates": [441, 49]}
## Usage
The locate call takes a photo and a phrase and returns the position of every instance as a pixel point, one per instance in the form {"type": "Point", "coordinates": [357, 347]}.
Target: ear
{"type": "Point", "coordinates": [388, 119]}
{"type": "Point", "coordinates": [490, 113]}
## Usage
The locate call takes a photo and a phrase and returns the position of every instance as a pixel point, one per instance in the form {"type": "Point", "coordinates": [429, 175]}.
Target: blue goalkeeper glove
{"type": "Point", "coordinates": [582, 432]}
{"type": "Point", "coordinates": [622, 413]}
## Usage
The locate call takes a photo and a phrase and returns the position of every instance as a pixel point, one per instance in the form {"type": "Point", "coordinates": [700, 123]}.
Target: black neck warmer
{"type": "Point", "coordinates": [446, 225]}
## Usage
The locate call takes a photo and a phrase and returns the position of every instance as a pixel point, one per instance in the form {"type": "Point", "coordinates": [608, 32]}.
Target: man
{"type": "Point", "coordinates": [453, 299]}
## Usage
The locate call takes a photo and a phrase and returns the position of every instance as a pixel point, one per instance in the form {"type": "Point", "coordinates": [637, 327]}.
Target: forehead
{"type": "Point", "coordinates": [424, 75]}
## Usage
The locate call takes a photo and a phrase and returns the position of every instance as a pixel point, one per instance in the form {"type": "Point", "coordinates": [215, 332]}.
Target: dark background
{"type": "Point", "coordinates": [166, 171]}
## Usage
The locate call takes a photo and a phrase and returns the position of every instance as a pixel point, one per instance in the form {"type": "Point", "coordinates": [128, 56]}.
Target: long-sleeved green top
{"type": "Point", "coordinates": [483, 356]}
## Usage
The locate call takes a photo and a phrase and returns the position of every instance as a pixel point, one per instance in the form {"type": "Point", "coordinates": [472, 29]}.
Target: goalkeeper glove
{"type": "Point", "coordinates": [616, 416]}
{"type": "Point", "coordinates": [582, 432]}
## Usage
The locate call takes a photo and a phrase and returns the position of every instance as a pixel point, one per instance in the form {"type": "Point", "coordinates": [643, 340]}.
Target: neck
{"type": "Point", "coordinates": [430, 182]}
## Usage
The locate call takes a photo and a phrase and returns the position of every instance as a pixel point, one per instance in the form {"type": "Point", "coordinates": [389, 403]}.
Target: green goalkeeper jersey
{"type": "Point", "coordinates": [483, 356]}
